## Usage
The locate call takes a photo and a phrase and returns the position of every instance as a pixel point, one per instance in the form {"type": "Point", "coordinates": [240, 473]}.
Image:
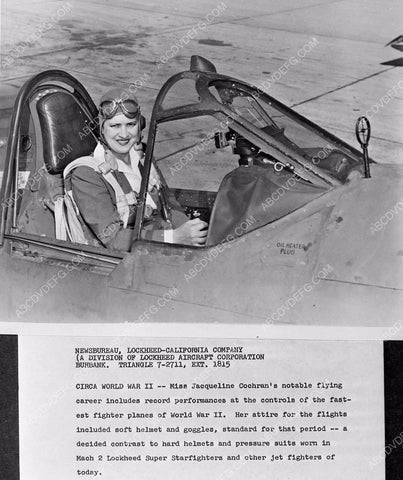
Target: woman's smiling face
{"type": "Point", "coordinates": [121, 133]}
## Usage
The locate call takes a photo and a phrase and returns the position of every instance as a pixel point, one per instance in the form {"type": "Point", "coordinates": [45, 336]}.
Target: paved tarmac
{"type": "Point", "coordinates": [339, 45]}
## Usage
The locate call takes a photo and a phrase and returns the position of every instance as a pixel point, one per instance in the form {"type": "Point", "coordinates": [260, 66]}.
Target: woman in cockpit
{"type": "Point", "coordinates": [105, 187]}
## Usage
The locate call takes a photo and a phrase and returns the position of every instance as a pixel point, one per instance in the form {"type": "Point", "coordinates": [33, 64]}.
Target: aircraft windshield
{"type": "Point", "coordinates": [284, 127]}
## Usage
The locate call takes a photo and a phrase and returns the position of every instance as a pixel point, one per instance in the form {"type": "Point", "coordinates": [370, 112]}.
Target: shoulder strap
{"type": "Point", "coordinates": [60, 219]}
{"type": "Point", "coordinates": [123, 200]}
{"type": "Point", "coordinates": [82, 162]}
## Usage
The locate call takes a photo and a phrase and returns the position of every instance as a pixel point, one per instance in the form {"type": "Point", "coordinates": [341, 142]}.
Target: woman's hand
{"type": "Point", "coordinates": [192, 232]}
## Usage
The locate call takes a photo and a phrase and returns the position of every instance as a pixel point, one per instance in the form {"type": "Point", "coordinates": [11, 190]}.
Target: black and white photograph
{"type": "Point", "coordinates": [194, 161]}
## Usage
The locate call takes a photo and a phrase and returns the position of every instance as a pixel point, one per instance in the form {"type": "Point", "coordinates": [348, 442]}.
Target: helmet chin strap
{"type": "Point", "coordinates": [139, 145]}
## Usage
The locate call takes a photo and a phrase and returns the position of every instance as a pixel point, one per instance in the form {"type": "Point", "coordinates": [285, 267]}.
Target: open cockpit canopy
{"type": "Point", "coordinates": [274, 130]}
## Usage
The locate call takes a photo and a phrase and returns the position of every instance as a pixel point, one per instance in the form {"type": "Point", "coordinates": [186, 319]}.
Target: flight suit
{"type": "Point", "coordinates": [96, 201]}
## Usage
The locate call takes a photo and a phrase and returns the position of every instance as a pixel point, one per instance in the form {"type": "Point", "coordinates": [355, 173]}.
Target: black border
{"type": "Point", "coordinates": [393, 381]}
{"type": "Point", "coordinates": [9, 426]}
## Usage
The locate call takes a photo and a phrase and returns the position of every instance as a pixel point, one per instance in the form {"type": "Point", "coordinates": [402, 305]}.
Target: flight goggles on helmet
{"type": "Point", "coordinates": [130, 108]}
